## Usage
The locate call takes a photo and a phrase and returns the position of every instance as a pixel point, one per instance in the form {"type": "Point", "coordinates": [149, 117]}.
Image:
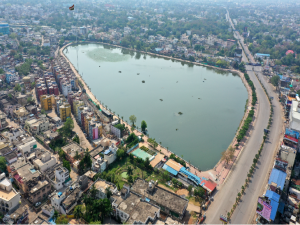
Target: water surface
{"type": "Point", "coordinates": [212, 102]}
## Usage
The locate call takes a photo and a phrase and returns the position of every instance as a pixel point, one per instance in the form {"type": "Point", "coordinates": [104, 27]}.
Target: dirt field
{"type": "Point", "coordinates": [182, 192]}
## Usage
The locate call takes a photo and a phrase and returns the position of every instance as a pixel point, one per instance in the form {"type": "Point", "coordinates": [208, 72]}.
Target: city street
{"type": "Point", "coordinates": [226, 197]}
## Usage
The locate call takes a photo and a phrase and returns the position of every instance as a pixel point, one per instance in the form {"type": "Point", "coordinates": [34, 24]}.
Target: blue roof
{"type": "Point", "coordinates": [191, 176]}
{"type": "Point", "coordinates": [263, 54]}
{"type": "Point", "coordinates": [274, 197]}
{"type": "Point", "coordinates": [147, 199]}
{"type": "Point", "coordinates": [277, 177]}
{"type": "Point", "coordinates": [170, 170]}
{"type": "Point", "coordinates": [107, 152]}
{"type": "Point", "coordinates": [281, 207]}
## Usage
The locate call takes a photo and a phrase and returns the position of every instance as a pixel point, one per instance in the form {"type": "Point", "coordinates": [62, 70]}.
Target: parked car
{"type": "Point", "coordinates": [37, 204]}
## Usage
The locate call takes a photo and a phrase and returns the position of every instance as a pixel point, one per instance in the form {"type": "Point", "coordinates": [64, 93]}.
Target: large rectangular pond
{"type": "Point", "coordinates": [212, 102]}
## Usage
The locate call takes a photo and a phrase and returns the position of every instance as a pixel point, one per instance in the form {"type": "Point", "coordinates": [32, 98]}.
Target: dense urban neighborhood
{"type": "Point", "coordinates": [67, 158]}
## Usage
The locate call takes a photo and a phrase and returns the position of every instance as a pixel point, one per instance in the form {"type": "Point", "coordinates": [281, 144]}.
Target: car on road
{"type": "Point", "coordinates": [37, 204]}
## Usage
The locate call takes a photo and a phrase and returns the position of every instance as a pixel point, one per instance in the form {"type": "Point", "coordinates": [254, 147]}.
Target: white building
{"type": "Point", "coordinates": [59, 177]}
{"type": "Point", "coordinates": [27, 145]}
{"type": "Point", "coordinates": [13, 134]}
{"type": "Point", "coordinates": [111, 154]}
{"type": "Point", "coordinates": [66, 88]}
{"type": "Point", "coordinates": [56, 200]}
{"type": "Point", "coordinates": [101, 186]}
{"type": "Point", "coordinates": [46, 43]}
{"type": "Point", "coordinates": [45, 162]}
{"type": "Point", "coordinates": [295, 116]}
{"type": "Point", "coordinates": [99, 165]}
{"type": "Point", "coordinates": [9, 197]}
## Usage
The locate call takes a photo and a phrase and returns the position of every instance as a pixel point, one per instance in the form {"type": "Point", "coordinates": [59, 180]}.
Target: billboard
{"type": "Point", "coordinates": [281, 164]}
{"type": "Point", "coordinates": [263, 209]}
{"type": "Point", "coordinates": [291, 135]}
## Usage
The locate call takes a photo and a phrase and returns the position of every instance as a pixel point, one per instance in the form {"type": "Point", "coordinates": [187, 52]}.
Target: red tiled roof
{"type": "Point", "coordinates": [210, 185]}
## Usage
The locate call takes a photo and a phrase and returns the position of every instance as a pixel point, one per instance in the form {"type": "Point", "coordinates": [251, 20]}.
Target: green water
{"type": "Point", "coordinates": [212, 102]}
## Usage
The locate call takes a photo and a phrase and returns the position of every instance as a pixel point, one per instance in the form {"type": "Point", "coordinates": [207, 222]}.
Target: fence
{"type": "Point", "coordinates": [132, 148]}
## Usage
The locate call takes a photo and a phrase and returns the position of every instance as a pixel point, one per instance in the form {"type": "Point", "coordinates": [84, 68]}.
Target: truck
{"type": "Point", "coordinates": [201, 219]}
{"type": "Point", "coordinates": [205, 206]}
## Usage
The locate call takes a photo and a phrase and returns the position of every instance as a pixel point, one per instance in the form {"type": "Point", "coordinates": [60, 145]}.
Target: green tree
{"type": "Point", "coordinates": [108, 192]}
{"type": "Point", "coordinates": [76, 139]}
{"type": "Point", "coordinates": [3, 164]}
{"type": "Point", "coordinates": [132, 119]}
{"type": "Point", "coordinates": [18, 88]}
{"type": "Point", "coordinates": [13, 35]}
{"type": "Point", "coordinates": [95, 222]}
{"type": "Point", "coordinates": [66, 130]}
{"type": "Point", "coordinates": [120, 153]}
{"type": "Point", "coordinates": [199, 191]}
{"type": "Point", "coordinates": [62, 219]}
{"type": "Point", "coordinates": [55, 215]}
{"type": "Point", "coordinates": [67, 165]}
{"type": "Point", "coordinates": [77, 156]}
{"type": "Point", "coordinates": [275, 80]}
{"type": "Point", "coordinates": [129, 170]}
{"type": "Point", "coordinates": [43, 111]}
{"type": "Point", "coordinates": [93, 192]}
{"type": "Point", "coordinates": [190, 188]}
{"type": "Point", "coordinates": [78, 212]}
{"type": "Point", "coordinates": [2, 71]}
{"type": "Point", "coordinates": [143, 125]}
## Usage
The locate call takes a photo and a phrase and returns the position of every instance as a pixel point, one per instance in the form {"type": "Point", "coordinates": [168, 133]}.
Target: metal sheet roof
{"type": "Point", "coordinates": [170, 170]}
{"type": "Point", "coordinates": [277, 177]}
{"type": "Point", "coordinates": [274, 197]}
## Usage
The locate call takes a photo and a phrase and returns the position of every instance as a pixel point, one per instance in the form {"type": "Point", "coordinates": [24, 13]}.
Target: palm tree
{"type": "Point", "coordinates": [129, 171]}
{"type": "Point", "coordinates": [78, 212]}
{"type": "Point", "coordinates": [77, 156]}
{"type": "Point", "coordinates": [108, 192]}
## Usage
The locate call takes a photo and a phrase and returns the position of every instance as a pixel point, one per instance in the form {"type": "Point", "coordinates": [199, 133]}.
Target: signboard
{"type": "Point", "coordinates": [281, 164]}
{"type": "Point", "coordinates": [290, 138]}
{"type": "Point", "coordinates": [263, 209]}
{"type": "Point", "coordinates": [292, 133]}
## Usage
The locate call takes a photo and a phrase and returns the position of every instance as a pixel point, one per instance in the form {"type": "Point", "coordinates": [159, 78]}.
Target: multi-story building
{"type": "Point", "coordinates": [3, 122]}
{"type": "Point", "coordinates": [65, 111]}
{"type": "Point", "coordinates": [37, 125]}
{"type": "Point", "coordinates": [27, 145]}
{"type": "Point", "coordinates": [66, 88]}
{"type": "Point", "coordinates": [95, 129]}
{"type": "Point", "coordinates": [32, 182]}
{"type": "Point", "coordinates": [133, 208]}
{"type": "Point", "coordinates": [4, 28]}
{"type": "Point", "coordinates": [76, 104]}
{"type": "Point", "coordinates": [44, 161]}
{"type": "Point", "coordinates": [101, 186]}
{"type": "Point", "coordinates": [59, 177]}
{"type": "Point", "coordinates": [21, 114]}
{"type": "Point", "coordinates": [70, 151]}
{"type": "Point", "coordinates": [9, 197]}
{"type": "Point", "coordinates": [170, 203]}
{"type": "Point", "coordinates": [11, 77]}
{"type": "Point", "coordinates": [46, 102]}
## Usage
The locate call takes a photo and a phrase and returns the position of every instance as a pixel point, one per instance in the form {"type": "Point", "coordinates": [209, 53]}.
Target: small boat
{"type": "Point", "coordinates": [138, 74]}
{"type": "Point", "coordinates": [120, 71]}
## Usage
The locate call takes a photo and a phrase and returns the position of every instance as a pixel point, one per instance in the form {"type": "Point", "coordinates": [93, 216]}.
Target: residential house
{"type": "Point", "coordinates": [58, 176]}
{"type": "Point", "coordinates": [37, 125]}
{"type": "Point", "coordinates": [9, 197]}
{"type": "Point", "coordinates": [70, 151]}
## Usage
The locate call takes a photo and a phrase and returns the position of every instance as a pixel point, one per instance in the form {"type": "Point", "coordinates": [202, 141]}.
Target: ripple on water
{"type": "Point", "coordinates": [106, 55]}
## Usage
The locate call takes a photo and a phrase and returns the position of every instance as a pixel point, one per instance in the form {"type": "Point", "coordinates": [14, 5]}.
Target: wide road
{"type": "Point", "coordinates": [225, 198]}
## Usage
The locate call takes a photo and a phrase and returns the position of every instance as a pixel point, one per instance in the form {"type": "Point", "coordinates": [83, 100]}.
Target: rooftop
{"type": "Point", "coordinates": [71, 199]}
{"type": "Point", "coordinates": [138, 210]}
{"type": "Point", "coordinates": [102, 185]}
{"type": "Point", "coordinates": [27, 172]}
{"type": "Point", "coordinates": [161, 196]}
{"type": "Point", "coordinates": [71, 149]}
